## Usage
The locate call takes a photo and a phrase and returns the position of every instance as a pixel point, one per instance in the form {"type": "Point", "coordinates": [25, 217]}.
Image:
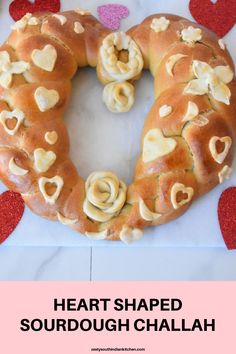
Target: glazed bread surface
{"type": "Point", "coordinates": [188, 138]}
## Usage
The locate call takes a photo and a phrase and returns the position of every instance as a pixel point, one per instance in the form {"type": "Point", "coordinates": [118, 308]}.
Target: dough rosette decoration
{"type": "Point", "coordinates": [119, 96]}
{"type": "Point", "coordinates": [116, 68]}
{"type": "Point", "coordinates": [105, 196]}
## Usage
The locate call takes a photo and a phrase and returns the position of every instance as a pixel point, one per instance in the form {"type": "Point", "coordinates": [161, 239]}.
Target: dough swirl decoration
{"type": "Point", "coordinates": [188, 137]}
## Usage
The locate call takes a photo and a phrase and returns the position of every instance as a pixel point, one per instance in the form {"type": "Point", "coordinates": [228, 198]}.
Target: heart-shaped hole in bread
{"type": "Point", "coordinates": [50, 188]}
{"type": "Point", "coordinates": [11, 123]}
{"type": "Point", "coordinates": [181, 196]}
{"type": "Point", "coordinates": [102, 140]}
{"type": "Point", "coordinates": [220, 146]}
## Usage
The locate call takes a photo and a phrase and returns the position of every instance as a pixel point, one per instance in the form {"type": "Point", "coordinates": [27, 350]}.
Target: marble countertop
{"type": "Point", "coordinates": [124, 264]}
{"type": "Point", "coordinates": [184, 250]}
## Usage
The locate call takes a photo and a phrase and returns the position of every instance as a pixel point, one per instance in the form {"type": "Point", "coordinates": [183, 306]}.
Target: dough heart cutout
{"type": "Point", "coordinates": [44, 159]}
{"type": "Point", "coordinates": [46, 99]}
{"type": "Point", "coordinates": [157, 145]}
{"type": "Point", "coordinates": [45, 58]}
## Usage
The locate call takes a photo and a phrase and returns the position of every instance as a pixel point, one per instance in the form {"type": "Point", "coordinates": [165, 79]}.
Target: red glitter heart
{"type": "Point", "coordinates": [18, 8]}
{"type": "Point", "coordinates": [218, 16]}
{"type": "Point", "coordinates": [11, 210]}
{"type": "Point", "coordinates": [227, 217]}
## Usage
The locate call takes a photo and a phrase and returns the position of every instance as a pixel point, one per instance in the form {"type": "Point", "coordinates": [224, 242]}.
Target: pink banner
{"type": "Point", "coordinates": [147, 317]}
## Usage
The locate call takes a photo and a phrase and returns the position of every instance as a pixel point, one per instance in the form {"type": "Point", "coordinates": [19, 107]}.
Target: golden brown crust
{"type": "Point", "coordinates": [187, 140]}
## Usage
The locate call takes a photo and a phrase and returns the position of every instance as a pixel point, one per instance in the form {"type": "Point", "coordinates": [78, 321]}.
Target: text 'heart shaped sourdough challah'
{"type": "Point", "coordinates": [188, 136]}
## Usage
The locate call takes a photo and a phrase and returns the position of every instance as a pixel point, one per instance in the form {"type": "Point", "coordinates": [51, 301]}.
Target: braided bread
{"type": "Point", "coordinates": [188, 136]}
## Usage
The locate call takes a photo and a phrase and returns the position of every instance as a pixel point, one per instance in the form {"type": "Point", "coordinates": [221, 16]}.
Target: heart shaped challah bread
{"type": "Point", "coordinates": [188, 137]}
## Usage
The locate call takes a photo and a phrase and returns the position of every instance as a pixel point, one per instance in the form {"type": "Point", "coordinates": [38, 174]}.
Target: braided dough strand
{"type": "Point", "coordinates": [188, 136]}
{"type": "Point", "coordinates": [48, 50]}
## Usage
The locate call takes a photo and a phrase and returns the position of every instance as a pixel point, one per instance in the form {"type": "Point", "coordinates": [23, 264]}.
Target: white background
{"type": "Point", "coordinates": [189, 248]}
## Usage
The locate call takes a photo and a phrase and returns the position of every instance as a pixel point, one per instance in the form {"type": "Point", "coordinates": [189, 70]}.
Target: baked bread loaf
{"type": "Point", "coordinates": [188, 136]}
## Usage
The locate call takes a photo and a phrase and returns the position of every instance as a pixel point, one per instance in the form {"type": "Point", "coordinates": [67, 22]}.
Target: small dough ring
{"type": "Point", "coordinates": [115, 69]}
{"type": "Point", "coordinates": [188, 138]}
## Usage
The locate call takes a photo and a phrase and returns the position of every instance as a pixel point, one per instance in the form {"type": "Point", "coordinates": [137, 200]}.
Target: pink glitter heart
{"type": "Point", "coordinates": [112, 14]}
